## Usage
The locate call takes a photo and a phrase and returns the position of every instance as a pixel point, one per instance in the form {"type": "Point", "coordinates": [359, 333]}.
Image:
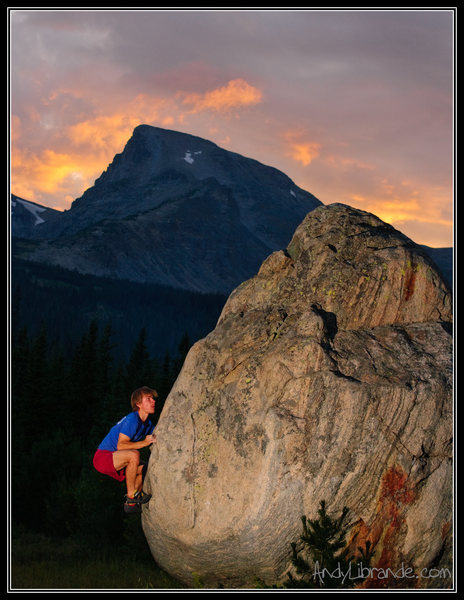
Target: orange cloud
{"type": "Point", "coordinates": [48, 173]}
{"type": "Point", "coordinates": [102, 132]}
{"type": "Point", "coordinates": [395, 202]}
{"type": "Point", "coordinates": [414, 210]}
{"type": "Point", "coordinates": [411, 205]}
{"type": "Point", "coordinates": [304, 152]}
{"type": "Point", "coordinates": [112, 131]}
{"type": "Point", "coordinates": [82, 151]}
{"type": "Point", "coordinates": [300, 151]}
{"type": "Point", "coordinates": [237, 93]}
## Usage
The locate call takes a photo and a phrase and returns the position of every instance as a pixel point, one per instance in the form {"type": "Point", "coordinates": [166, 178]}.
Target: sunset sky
{"type": "Point", "coordinates": [355, 106]}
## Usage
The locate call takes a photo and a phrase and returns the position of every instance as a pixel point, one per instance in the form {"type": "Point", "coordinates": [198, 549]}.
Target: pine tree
{"type": "Point", "coordinates": [182, 351]}
{"type": "Point", "coordinates": [20, 361]}
{"type": "Point", "coordinates": [105, 360]}
{"type": "Point", "coordinates": [105, 411]}
{"type": "Point", "coordinates": [119, 403]}
{"type": "Point", "coordinates": [35, 390]}
{"type": "Point", "coordinates": [139, 370]}
{"type": "Point", "coordinates": [166, 378]}
{"type": "Point", "coordinates": [16, 308]}
{"type": "Point", "coordinates": [58, 386]}
{"type": "Point", "coordinates": [83, 392]}
{"type": "Point", "coordinates": [326, 562]}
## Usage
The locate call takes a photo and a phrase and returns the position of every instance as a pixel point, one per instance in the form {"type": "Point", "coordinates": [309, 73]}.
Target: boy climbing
{"type": "Point", "coordinates": [118, 454]}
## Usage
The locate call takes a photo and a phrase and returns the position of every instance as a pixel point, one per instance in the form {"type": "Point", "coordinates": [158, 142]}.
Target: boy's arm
{"type": "Point", "coordinates": [124, 442]}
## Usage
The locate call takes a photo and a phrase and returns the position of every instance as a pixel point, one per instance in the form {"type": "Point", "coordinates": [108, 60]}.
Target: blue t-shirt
{"type": "Point", "coordinates": [130, 425]}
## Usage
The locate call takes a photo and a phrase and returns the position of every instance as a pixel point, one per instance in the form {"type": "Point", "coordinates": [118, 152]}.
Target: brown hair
{"type": "Point", "coordinates": [136, 396]}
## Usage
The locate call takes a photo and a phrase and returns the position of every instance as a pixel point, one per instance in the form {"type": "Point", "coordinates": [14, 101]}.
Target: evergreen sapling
{"type": "Point", "coordinates": [322, 559]}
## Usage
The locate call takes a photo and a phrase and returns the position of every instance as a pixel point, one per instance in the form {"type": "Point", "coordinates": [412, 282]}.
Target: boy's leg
{"type": "Point", "coordinates": [139, 478]}
{"type": "Point", "coordinates": [134, 470]}
{"type": "Point", "coordinates": [129, 460]}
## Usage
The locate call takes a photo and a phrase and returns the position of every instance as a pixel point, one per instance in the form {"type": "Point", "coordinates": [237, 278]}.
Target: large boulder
{"type": "Point", "coordinates": [328, 377]}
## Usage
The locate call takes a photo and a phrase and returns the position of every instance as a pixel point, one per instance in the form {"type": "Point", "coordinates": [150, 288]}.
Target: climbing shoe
{"type": "Point", "coordinates": [142, 497]}
{"type": "Point", "coordinates": [131, 505]}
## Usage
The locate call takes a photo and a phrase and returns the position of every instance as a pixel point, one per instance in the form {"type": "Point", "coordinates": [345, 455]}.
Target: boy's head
{"type": "Point", "coordinates": [138, 394]}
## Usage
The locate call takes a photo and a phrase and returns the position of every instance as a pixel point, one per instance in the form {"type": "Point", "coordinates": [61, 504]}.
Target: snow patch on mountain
{"type": "Point", "coordinates": [32, 208]}
{"type": "Point", "coordinates": [189, 158]}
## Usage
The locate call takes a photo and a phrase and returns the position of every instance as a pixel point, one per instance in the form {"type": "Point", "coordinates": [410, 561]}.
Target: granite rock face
{"type": "Point", "coordinates": [327, 377]}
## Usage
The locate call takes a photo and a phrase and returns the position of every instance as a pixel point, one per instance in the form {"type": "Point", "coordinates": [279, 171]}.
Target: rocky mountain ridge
{"type": "Point", "coordinates": [178, 210]}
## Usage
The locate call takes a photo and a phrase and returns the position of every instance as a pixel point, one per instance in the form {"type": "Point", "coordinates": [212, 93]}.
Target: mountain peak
{"type": "Point", "coordinates": [182, 211]}
{"type": "Point", "coordinates": [151, 132]}
{"type": "Point", "coordinates": [152, 150]}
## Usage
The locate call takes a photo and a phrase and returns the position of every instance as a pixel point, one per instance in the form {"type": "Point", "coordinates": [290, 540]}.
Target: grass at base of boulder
{"type": "Point", "coordinates": [40, 563]}
{"type": "Point", "coordinates": [87, 574]}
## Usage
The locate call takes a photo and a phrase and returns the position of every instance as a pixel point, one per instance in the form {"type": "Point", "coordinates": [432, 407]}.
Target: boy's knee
{"type": "Point", "coordinates": [134, 456]}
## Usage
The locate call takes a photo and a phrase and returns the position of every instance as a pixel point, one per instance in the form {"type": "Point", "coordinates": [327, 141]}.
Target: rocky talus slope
{"type": "Point", "coordinates": [327, 377]}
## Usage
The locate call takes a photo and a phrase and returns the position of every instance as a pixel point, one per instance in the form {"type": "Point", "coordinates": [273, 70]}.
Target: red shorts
{"type": "Point", "coordinates": [103, 462]}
